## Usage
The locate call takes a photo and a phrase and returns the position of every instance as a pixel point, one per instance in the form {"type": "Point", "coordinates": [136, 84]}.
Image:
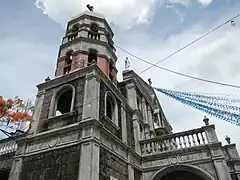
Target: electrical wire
{"type": "Point", "coordinates": [181, 74]}
{"type": "Point", "coordinates": [194, 41]}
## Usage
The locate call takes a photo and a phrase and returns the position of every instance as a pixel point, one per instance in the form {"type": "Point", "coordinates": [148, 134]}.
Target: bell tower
{"type": "Point", "coordinates": [88, 40]}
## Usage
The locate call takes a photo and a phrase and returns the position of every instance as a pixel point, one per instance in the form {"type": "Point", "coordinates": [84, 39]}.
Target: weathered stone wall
{"type": "Point", "coordinates": [52, 165]}
{"type": "Point", "coordinates": [6, 161]}
{"type": "Point", "coordinates": [112, 166]}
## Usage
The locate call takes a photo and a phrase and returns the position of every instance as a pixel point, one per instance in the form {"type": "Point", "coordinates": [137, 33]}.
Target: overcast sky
{"type": "Point", "coordinates": [31, 32]}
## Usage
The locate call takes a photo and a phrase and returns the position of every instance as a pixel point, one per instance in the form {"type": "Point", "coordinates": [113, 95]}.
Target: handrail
{"type": "Point", "coordinates": [181, 140]}
{"type": "Point", "coordinates": [7, 146]}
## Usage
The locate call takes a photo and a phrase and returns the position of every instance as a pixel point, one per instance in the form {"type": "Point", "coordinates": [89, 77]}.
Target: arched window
{"type": "Point", "coordinates": [62, 101]}
{"type": "Point", "coordinates": [74, 32]}
{"type": "Point", "coordinates": [111, 109]}
{"type": "Point", "coordinates": [93, 33]}
{"type": "Point", "coordinates": [68, 61]}
{"type": "Point", "coordinates": [92, 56]}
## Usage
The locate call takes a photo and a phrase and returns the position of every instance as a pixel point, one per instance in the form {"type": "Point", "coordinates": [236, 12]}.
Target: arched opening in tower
{"type": "Point", "coordinates": [92, 57]}
{"type": "Point", "coordinates": [68, 62]}
{"type": "Point", "coordinates": [181, 175]}
{"type": "Point", "coordinates": [64, 103]}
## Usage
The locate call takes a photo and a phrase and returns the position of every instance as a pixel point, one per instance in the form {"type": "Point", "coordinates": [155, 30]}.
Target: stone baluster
{"type": "Point", "coordinates": [202, 136]}
{"type": "Point", "coordinates": [189, 140]}
{"type": "Point", "coordinates": [180, 142]}
{"type": "Point", "coordinates": [193, 140]}
{"type": "Point", "coordinates": [184, 142]}
{"type": "Point", "coordinates": [198, 139]}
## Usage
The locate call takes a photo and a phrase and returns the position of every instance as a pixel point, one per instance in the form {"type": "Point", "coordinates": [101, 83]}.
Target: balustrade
{"type": "Point", "coordinates": [7, 146]}
{"type": "Point", "coordinates": [187, 139]}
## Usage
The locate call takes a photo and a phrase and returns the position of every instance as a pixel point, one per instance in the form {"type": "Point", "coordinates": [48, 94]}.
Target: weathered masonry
{"type": "Point", "coordinates": [89, 126]}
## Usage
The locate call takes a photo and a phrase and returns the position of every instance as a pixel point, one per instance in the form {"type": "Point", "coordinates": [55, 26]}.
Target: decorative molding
{"type": "Point", "coordinates": [53, 142]}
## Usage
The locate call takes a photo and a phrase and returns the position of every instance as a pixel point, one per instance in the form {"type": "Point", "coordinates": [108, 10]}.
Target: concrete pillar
{"type": "Point", "coordinates": [136, 131]}
{"type": "Point", "coordinates": [37, 112]}
{"type": "Point", "coordinates": [211, 134]}
{"type": "Point", "coordinates": [144, 111]}
{"type": "Point", "coordinates": [17, 164]}
{"type": "Point", "coordinates": [16, 169]}
{"type": "Point", "coordinates": [150, 119]}
{"type": "Point", "coordinates": [132, 96]}
{"type": "Point", "coordinates": [89, 161]}
{"type": "Point", "coordinates": [91, 97]}
{"type": "Point", "coordinates": [157, 113]}
{"type": "Point", "coordinates": [222, 169]}
{"type": "Point", "coordinates": [124, 125]}
{"type": "Point", "coordinates": [130, 172]}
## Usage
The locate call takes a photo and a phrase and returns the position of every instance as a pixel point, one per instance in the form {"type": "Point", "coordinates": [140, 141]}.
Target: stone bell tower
{"type": "Point", "coordinates": [88, 40]}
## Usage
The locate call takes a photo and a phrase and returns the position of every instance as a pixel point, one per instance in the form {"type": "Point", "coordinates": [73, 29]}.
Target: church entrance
{"type": "Point", "coordinates": [181, 175]}
{"type": "Point", "coordinates": [182, 172]}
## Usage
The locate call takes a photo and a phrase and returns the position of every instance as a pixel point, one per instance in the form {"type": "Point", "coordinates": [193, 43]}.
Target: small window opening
{"type": "Point", "coordinates": [68, 62]}
{"type": "Point", "coordinates": [138, 104]}
{"type": "Point", "coordinates": [92, 56]}
{"type": "Point", "coordinates": [74, 32]}
{"type": "Point", "coordinates": [93, 33]}
{"type": "Point", "coordinates": [109, 39]}
{"type": "Point", "coordinates": [64, 103]}
{"type": "Point", "coordinates": [111, 70]}
{"type": "Point", "coordinates": [110, 107]}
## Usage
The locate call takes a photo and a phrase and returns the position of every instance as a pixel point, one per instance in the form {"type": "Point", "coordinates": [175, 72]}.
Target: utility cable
{"type": "Point", "coordinates": [194, 41]}
{"type": "Point", "coordinates": [180, 74]}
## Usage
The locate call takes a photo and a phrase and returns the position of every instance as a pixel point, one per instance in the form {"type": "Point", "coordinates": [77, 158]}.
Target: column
{"type": "Point", "coordinates": [132, 96]}
{"type": "Point", "coordinates": [156, 113]}
{"type": "Point", "coordinates": [124, 125]}
{"type": "Point", "coordinates": [144, 111]}
{"type": "Point", "coordinates": [130, 172]}
{"type": "Point", "coordinates": [17, 164]}
{"type": "Point", "coordinates": [211, 134]}
{"type": "Point", "coordinates": [136, 131]}
{"type": "Point", "coordinates": [150, 119]}
{"type": "Point", "coordinates": [89, 161]}
{"type": "Point", "coordinates": [91, 96]}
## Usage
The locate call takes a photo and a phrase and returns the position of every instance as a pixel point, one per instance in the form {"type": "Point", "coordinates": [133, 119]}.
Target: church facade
{"type": "Point", "coordinates": [89, 126]}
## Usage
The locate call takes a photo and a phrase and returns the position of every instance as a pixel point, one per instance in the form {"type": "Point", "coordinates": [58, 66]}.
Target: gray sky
{"type": "Point", "coordinates": [31, 32]}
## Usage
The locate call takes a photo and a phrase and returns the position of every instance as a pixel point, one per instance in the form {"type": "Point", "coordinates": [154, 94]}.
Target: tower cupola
{"type": "Point", "coordinates": [88, 40]}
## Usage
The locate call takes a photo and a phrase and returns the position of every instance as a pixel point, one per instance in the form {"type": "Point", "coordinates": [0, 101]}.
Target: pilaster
{"type": "Point", "coordinates": [211, 134]}
{"type": "Point", "coordinates": [91, 96]}
{"type": "Point", "coordinates": [124, 125]}
{"type": "Point", "coordinates": [136, 131]}
{"type": "Point", "coordinates": [36, 114]}
{"type": "Point", "coordinates": [132, 96]}
{"type": "Point", "coordinates": [144, 111]}
{"type": "Point", "coordinates": [89, 161]}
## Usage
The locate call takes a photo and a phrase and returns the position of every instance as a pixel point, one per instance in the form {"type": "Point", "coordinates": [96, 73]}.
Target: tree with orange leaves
{"type": "Point", "coordinates": [14, 111]}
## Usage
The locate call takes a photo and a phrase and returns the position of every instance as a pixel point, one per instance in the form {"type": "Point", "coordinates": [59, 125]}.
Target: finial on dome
{"type": "Point", "coordinates": [90, 8]}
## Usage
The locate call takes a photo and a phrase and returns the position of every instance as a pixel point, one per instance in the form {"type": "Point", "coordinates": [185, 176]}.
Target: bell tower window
{"type": "Point", "coordinates": [92, 56]}
{"type": "Point", "coordinates": [93, 33]}
{"type": "Point", "coordinates": [73, 32]}
{"type": "Point", "coordinates": [111, 70]}
{"type": "Point", "coordinates": [68, 62]}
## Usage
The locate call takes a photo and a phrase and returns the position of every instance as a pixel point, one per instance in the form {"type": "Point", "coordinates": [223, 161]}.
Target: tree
{"type": "Point", "coordinates": [14, 112]}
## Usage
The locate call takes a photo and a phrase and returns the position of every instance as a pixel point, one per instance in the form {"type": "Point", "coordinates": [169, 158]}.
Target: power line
{"type": "Point", "coordinates": [178, 73]}
{"type": "Point", "coordinates": [194, 41]}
